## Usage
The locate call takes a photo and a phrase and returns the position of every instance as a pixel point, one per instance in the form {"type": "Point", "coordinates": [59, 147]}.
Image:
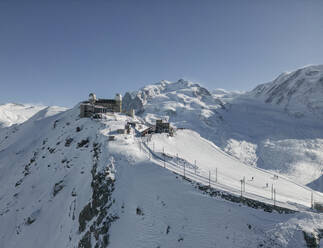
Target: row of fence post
{"type": "Point", "coordinates": [242, 181]}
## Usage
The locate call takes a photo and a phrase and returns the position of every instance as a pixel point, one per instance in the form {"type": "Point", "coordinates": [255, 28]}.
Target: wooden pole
{"type": "Point", "coordinates": [216, 175]}
{"type": "Point", "coordinates": [274, 197]}
{"type": "Point", "coordinates": [164, 157]}
{"type": "Point", "coordinates": [241, 181]}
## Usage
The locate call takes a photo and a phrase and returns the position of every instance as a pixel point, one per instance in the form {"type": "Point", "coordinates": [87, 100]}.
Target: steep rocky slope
{"type": "Point", "coordinates": [53, 182]}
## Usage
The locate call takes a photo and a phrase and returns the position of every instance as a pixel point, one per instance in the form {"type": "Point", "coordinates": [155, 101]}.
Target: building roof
{"type": "Point", "coordinates": [105, 101]}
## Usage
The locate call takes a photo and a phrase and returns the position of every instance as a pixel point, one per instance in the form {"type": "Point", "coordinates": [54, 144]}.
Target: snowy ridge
{"type": "Point", "coordinates": [12, 113]}
{"type": "Point", "coordinates": [298, 92]}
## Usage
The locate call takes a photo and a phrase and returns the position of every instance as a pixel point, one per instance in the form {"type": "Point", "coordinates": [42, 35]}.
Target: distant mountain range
{"type": "Point", "coordinates": [13, 113]}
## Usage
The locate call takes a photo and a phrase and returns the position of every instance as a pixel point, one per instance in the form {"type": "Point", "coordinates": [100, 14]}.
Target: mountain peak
{"type": "Point", "coordinates": [299, 92]}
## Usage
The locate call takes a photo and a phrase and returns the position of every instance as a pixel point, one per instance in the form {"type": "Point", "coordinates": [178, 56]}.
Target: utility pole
{"type": "Point", "coordinates": [241, 181]}
{"type": "Point", "coordinates": [312, 200]}
{"type": "Point", "coordinates": [209, 179]}
{"type": "Point", "coordinates": [272, 191]}
{"type": "Point", "coordinates": [274, 197]}
{"type": "Point", "coordinates": [216, 175]}
{"type": "Point", "coordinates": [164, 161]}
{"type": "Point", "coordinates": [164, 157]}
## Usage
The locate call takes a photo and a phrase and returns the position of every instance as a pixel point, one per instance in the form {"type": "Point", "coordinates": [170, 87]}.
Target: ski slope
{"type": "Point", "coordinates": [187, 148]}
{"type": "Point", "coordinates": [206, 163]}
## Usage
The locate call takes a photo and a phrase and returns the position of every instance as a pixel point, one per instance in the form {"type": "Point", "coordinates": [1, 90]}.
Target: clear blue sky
{"type": "Point", "coordinates": [56, 52]}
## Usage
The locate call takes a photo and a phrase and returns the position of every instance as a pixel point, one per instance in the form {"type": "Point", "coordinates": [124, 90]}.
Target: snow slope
{"type": "Point", "coordinates": [12, 113]}
{"type": "Point", "coordinates": [45, 177]}
{"type": "Point", "coordinates": [245, 125]}
{"type": "Point", "coordinates": [64, 184]}
{"type": "Point", "coordinates": [187, 148]}
{"type": "Point", "coordinates": [298, 93]}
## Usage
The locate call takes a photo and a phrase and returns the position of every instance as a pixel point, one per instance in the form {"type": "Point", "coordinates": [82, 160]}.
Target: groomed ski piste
{"type": "Point", "coordinates": [195, 158]}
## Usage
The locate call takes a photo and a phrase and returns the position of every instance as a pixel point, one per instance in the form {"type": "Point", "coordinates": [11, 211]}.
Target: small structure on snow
{"type": "Point", "coordinates": [318, 206]}
{"type": "Point", "coordinates": [160, 127]}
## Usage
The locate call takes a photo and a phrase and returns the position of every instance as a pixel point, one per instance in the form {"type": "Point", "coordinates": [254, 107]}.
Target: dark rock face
{"type": "Point", "coordinates": [58, 187]}
{"type": "Point", "coordinates": [139, 211]}
{"type": "Point", "coordinates": [313, 239]}
{"type": "Point", "coordinates": [298, 92]}
{"type": "Point", "coordinates": [83, 143]}
{"type": "Point", "coordinates": [129, 103]}
{"type": "Point", "coordinates": [68, 142]}
{"type": "Point", "coordinates": [33, 217]}
{"type": "Point", "coordinates": [279, 90]}
{"type": "Point", "coordinates": [97, 210]}
{"type": "Point", "coordinates": [202, 92]}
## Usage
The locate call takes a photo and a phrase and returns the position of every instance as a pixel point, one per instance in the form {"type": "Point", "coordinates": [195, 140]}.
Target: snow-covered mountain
{"type": "Point", "coordinates": [245, 125]}
{"type": "Point", "coordinates": [298, 93]}
{"type": "Point", "coordinates": [186, 104]}
{"type": "Point", "coordinates": [64, 184]}
{"type": "Point", "coordinates": [13, 113]}
{"type": "Point", "coordinates": [68, 181]}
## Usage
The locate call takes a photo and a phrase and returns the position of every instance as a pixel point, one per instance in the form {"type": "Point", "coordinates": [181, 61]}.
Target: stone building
{"type": "Point", "coordinates": [97, 106]}
{"type": "Point", "coordinates": [162, 127]}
